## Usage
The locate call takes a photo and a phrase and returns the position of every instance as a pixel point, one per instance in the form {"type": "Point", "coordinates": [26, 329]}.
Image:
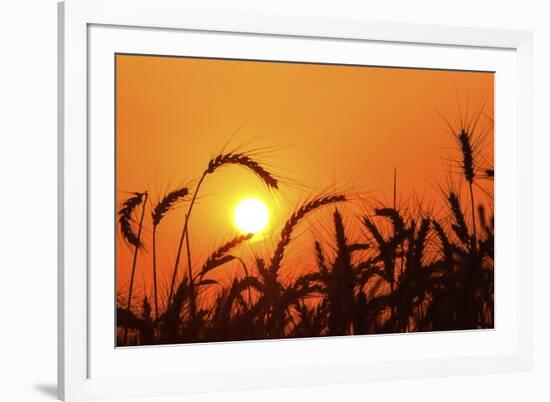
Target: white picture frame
{"type": "Point", "coordinates": [87, 370]}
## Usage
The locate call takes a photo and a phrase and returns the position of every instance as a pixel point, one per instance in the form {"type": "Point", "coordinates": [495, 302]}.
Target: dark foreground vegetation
{"type": "Point", "coordinates": [409, 272]}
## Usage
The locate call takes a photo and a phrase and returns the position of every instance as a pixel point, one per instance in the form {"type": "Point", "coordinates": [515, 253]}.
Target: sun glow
{"type": "Point", "coordinates": [251, 215]}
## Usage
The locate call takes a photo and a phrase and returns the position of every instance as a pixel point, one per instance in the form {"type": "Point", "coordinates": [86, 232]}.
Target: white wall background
{"type": "Point", "coordinates": [28, 198]}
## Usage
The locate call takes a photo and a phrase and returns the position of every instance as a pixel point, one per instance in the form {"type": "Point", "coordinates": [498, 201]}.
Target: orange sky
{"type": "Point", "coordinates": [325, 126]}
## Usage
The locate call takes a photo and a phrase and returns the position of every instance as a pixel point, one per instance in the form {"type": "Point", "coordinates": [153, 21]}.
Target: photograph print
{"type": "Point", "coordinates": [274, 200]}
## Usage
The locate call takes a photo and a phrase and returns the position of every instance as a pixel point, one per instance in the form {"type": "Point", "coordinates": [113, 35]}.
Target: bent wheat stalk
{"type": "Point", "coordinates": [239, 159]}
{"type": "Point", "coordinates": [158, 213]}
{"type": "Point", "coordinates": [291, 223]}
{"type": "Point", "coordinates": [465, 141]}
{"type": "Point", "coordinates": [125, 219]}
{"type": "Point", "coordinates": [220, 256]}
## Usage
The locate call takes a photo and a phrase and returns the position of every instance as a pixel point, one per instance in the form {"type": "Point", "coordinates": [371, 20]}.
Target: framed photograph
{"type": "Point", "coordinates": [251, 201]}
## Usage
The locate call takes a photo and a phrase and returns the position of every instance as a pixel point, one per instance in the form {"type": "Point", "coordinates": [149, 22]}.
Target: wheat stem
{"type": "Point", "coordinates": [158, 213]}
{"type": "Point", "coordinates": [190, 274]}
{"type": "Point", "coordinates": [182, 237]}
{"type": "Point", "coordinates": [474, 241]}
{"type": "Point", "coordinates": [136, 250]}
{"type": "Point", "coordinates": [155, 272]}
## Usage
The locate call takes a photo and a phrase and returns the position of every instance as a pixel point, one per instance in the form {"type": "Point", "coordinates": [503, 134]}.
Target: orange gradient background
{"type": "Point", "coordinates": [320, 128]}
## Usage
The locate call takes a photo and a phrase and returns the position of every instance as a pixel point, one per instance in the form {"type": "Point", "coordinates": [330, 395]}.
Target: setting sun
{"type": "Point", "coordinates": [251, 215]}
